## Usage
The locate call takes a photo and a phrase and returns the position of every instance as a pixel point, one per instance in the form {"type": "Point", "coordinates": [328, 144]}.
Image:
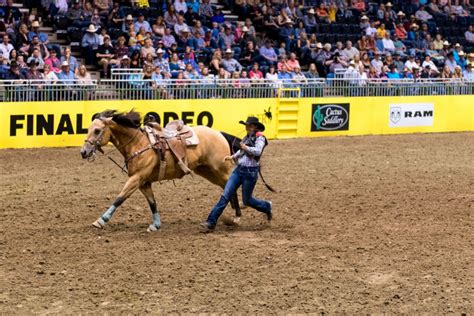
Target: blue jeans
{"type": "Point", "coordinates": [247, 177]}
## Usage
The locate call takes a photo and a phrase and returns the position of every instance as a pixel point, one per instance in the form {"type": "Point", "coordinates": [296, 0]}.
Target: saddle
{"type": "Point", "coordinates": [175, 137]}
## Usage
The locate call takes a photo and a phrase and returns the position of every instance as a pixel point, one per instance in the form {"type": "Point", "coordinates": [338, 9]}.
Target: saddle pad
{"type": "Point", "coordinates": [193, 140]}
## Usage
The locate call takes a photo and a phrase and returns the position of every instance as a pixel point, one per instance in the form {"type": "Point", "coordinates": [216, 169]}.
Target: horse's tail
{"type": "Point", "coordinates": [233, 141]}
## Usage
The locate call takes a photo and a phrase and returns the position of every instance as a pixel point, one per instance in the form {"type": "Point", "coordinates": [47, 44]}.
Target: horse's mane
{"type": "Point", "coordinates": [130, 119]}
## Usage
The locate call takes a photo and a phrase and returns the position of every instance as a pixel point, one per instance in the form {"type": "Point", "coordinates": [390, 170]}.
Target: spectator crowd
{"type": "Point", "coordinates": [277, 40]}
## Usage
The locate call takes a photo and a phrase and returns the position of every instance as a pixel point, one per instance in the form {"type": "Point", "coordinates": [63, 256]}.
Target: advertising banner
{"type": "Point", "coordinates": [330, 117]}
{"type": "Point", "coordinates": [407, 114]}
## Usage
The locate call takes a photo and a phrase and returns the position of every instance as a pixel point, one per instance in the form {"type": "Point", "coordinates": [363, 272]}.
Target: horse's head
{"type": "Point", "coordinates": [98, 135]}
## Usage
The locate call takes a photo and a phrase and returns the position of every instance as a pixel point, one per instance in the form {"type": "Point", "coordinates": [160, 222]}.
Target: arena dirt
{"type": "Point", "coordinates": [362, 224]}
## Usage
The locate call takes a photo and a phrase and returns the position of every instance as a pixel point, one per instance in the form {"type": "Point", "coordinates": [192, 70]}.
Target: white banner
{"type": "Point", "coordinates": [411, 114]}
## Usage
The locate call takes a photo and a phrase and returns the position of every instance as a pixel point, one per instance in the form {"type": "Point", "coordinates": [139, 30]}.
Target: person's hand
{"type": "Point", "coordinates": [243, 146]}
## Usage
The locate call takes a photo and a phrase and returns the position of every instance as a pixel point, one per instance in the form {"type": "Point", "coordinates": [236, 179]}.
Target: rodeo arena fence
{"type": "Point", "coordinates": [129, 85]}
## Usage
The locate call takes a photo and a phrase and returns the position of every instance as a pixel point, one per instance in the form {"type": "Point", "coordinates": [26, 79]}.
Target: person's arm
{"type": "Point", "coordinates": [257, 149]}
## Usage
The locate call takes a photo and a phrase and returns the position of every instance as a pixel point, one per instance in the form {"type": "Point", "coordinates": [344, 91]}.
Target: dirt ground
{"type": "Point", "coordinates": [362, 224]}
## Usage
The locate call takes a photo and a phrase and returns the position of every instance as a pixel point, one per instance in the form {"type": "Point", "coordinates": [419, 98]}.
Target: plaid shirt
{"type": "Point", "coordinates": [246, 158]}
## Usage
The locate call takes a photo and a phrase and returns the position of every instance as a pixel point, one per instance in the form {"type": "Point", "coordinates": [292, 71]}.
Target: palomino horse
{"type": "Point", "coordinates": [123, 131]}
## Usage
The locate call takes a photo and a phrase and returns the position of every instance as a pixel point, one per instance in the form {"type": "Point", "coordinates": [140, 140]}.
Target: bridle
{"type": "Point", "coordinates": [96, 146]}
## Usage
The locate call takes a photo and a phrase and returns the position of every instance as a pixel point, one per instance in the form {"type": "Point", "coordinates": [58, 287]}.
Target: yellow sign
{"type": "Point", "coordinates": [59, 124]}
{"type": "Point", "coordinates": [56, 124]}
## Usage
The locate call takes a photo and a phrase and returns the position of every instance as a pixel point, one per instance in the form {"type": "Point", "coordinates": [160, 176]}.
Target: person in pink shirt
{"type": "Point", "coordinates": [53, 62]}
{"type": "Point", "coordinates": [292, 63]}
{"type": "Point", "coordinates": [255, 73]}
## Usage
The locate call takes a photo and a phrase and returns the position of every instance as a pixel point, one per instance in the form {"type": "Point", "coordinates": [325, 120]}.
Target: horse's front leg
{"type": "Point", "coordinates": [130, 186]}
{"type": "Point", "coordinates": [148, 193]}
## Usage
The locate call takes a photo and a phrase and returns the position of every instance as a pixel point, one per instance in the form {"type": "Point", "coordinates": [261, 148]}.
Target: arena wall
{"type": "Point", "coordinates": [60, 124]}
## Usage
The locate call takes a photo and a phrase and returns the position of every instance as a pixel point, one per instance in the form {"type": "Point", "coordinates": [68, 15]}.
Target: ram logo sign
{"type": "Point", "coordinates": [411, 115]}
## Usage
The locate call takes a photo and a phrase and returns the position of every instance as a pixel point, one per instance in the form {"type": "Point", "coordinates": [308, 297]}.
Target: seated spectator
{"type": "Point", "coordinates": [410, 63]}
{"type": "Point", "coordinates": [462, 60]}
{"type": "Point", "coordinates": [105, 56]}
{"type": "Point", "coordinates": [371, 30]}
{"type": "Point", "coordinates": [271, 74]}
{"type": "Point", "coordinates": [191, 17]}
{"type": "Point", "coordinates": [392, 73]}
{"type": "Point", "coordinates": [90, 44]}
{"type": "Point", "coordinates": [49, 76]}
{"type": "Point", "coordinates": [66, 76]}
{"type": "Point", "coordinates": [398, 62]}
{"type": "Point", "coordinates": [298, 76]}
{"type": "Point", "coordinates": [190, 72]}
{"type": "Point", "coordinates": [36, 57]}
{"type": "Point", "coordinates": [180, 25]}
{"type": "Point", "coordinates": [255, 73]}
{"type": "Point", "coordinates": [450, 62]}
{"type": "Point", "coordinates": [141, 22]}
{"type": "Point", "coordinates": [37, 45]}
{"type": "Point", "coordinates": [53, 62]}
{"type": "Point", "coordinates": [249, 55]}
{"type": "Point", "coordinates": [6, 47]}
{"type": "Point", "coordinates": [128, 24]}
{"type": "Point", "coordinates": [176, 65]}
{"type": "Point", "coordinates": [350, 51]}
{"type": "Point", "coordinates": [335, 63]}
{"type": "Point", "coordinates": [205, 11]}
{"type": "Point", "coordinates": [180, 6]}
{"type": "Point", "coordinates": [388, 45]}
{"type": "Point", "coordinates": [429, 63]}
{"type": "Point", "coordinates": [400, 31]}
{"type": "Point", "coordinates": [83, 76]}
{"type": "Point", "coordinates": [376, 63]}
{"type": "Point", "coordinates": [218, 17]}
{"type": "Point", "coordinates": [292, 63]}
{"type": "Point", "coordinates": [469, 73]}
{"type": "Point", "coordinates": [14, 73]}
{"type": "Point", "coordinates": [71, 60]}
{"type": "Point", "coordinates": [229, 63]}
{"type": "Point", "coordinates": [458, 73]}
{"type": "Point", "coordinates": [322, 13]}
{"type": "Point", "coordinates": [284, 75]}
{"type": "Point", "coordinates": [438, 42]}
{"type": "Point", "coordinates": [423, 15]}
{"type": "Point", "coordinates": [268, 53]}
{"type": "Point", "coordinates": [381, 31]}
{"type": "Point", "coordinates": [446, 73]}
{"type": "Point", "coordinates": [469, 34]}
{"type": "Point", "coordinates": [309, 21]}
{"type": "Point", "coordinates": [287, 35]}
{"type": "Point", "coordinates": [33, 73]}
{"type": "Point", "coordinates": [312, 72]}
{"type": "Point", "coordinates": [161, 61]}
{"type": "Point", "coordinates": [168, 39]}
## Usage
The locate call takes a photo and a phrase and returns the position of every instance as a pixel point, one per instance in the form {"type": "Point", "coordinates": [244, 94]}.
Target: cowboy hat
{"type": "Point", "coordinates": [288, 21]}
{"type": "Point", "coordinates": [470, 55]}
{"type": "Point", "coordinates": [389, 4]}
{"type": "Point", "coordinates": [415, 25]}
{"type": "Point", "coordinates": [35, 24]}
{"type": "Point", "coordinates": [245, 29]}
{"type": "Point", "coordinates": [319, 45]}
{"type": "Point", "coordinates": [364, 17]}
{"type": "Point", "coordinates": [461, 53]}
{"type": "Point", "coordinates": [252, 120]}
{"type": "Point", "coordinates": [129, 17]}
{"type": "Point", "coordinates": [229, 51]}
{"type": "Point", "coordinates": [65, 64]}
{"type": "Point", "coordinates": [400, 13]}
{"type": "Point", "coordinates": [91, 29]}
{"type": "Point", "coordinates": [457, 45]}
{"type": "Point", "coordinates": [160, 51]}
{"type": "Point", "coordinates": [311, 11]}
{"type": "Point", "coordinates": [446, 43]}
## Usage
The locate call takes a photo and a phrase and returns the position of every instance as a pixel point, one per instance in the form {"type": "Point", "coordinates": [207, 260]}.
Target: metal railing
{"type": "Point", "coordinates": [135, 88]}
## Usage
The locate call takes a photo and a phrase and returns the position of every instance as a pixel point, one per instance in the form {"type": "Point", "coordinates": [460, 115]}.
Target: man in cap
{"type": "Point", "coordinates": [43, 37]}
{"type": "Point", "coordinates": [76, 16]}
{"type": "Point", "coordinates": [141, 22]}
{"type": "Point", "coordinates": [161, 61]}
{"type": "Point", "coordinates": [410, 63]}
{"type": "Point", "coordinates": [71, 60]}
{"type": "Point", "coordinates": [33, 72]}
{"type": "Point", "coordinates": [90, 44]}
{"type": "Point", "coordinates": [462, 62]}
{"type": "Point", "coordinates": [450, 62]}
{"type": "Point", "coordinates": [287, 34]}
{"type": "Point", "coordinates": [245, 174]}
{"type": "Point", "coordinates": [229, 63]}
{"type": "Point", "coordinates": [469, 73]}
{"type": "Point", "coordinates": [309, 21]}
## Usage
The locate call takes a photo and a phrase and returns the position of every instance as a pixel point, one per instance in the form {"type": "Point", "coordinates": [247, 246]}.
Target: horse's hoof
{"type": "Point", "coordinates": [236, 220]}
{"type": "Point", "coordinates": [152, 228]}
{"type": "Point", "coordinates": [99, 223]}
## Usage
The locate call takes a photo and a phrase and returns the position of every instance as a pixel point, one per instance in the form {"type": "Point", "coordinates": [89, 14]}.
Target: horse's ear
{"type": "Point", "coordinates": [106, 120]}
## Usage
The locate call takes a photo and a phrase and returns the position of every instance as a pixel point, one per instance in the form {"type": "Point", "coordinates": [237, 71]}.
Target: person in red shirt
{"type": "Point", "coordinates": [255, 73]}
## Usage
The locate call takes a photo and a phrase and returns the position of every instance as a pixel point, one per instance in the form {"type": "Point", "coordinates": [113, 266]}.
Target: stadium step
{"type": "Point", "coordinates": [287, 112]}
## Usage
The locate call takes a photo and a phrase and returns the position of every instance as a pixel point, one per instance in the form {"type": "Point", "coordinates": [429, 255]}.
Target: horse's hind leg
{"type": "Point", "coordinates": [130, 186]}
{"type": "Point", "coordinates": [150, 197]}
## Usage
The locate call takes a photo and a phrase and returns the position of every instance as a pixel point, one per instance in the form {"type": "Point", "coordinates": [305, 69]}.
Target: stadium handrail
{"type": "Point", "coordinates": [135, 88]}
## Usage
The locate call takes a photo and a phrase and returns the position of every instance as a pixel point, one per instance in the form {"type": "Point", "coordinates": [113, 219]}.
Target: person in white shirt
{"type": "Point", "coordinates": [180, 6]}
{"type": "Point", "coordinates": [388, 45]}
{"type": "Point", "coordinates": [6, 47]}
{"type": "Point", "coordinates": [430, 63]}
{"type": "Point", "coordinates": [180, 25]}
{"type": "Point", "coordinates": [423, 15]}
{"type": "Point", "coordinates": [469, 73]}
{"type": "Point", "coordinates": [350, 51]}
{"type": "Point", "coordinates": [377, 63]}
{"type": "Point", "coordinates": [410, 63]}
{"type": "Point", "coordinates": [371, 30]}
